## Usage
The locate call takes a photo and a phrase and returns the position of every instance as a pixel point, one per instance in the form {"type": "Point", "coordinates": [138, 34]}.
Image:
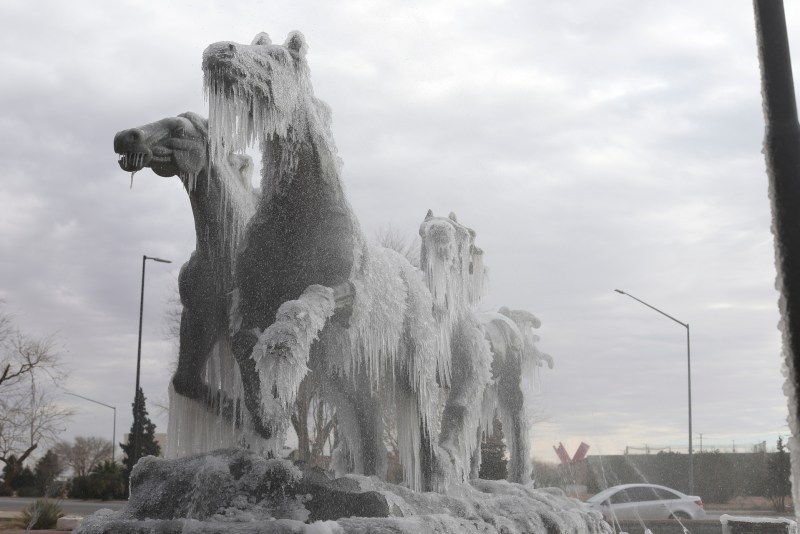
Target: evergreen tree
{"type": "Point", "coordinates": [11, 470]}
{"type": "Point", "coordinates": [47, 470]}
{"type": "Point", "coordinates": [147, 444]}
{"type": "Point", "coordinates": [25, 483]}
{"type": "Point", "coordinates": [107, 481]}
{"type": "Point", "coordinates": [779, 484]}
{"type": "Point", "coordinates": [18, 478]}
{"type": "Point", "coordinates": [493, 455]}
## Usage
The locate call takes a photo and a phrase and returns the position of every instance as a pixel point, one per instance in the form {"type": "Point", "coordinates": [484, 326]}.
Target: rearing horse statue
{"type": "Point", "coordinates": [312, 292]}
{"type": "Point", "coordinates": [223, 201]}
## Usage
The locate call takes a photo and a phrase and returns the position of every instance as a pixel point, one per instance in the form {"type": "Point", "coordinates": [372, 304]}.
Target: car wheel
{"type": "Point", "coordinates": [680, 516]}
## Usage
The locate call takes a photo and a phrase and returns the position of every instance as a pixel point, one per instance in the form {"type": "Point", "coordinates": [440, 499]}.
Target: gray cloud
{"type": "Point", "coordinates": [591, 147]}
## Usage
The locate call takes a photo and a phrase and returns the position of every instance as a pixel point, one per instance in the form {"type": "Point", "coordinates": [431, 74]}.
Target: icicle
{"type": "Point", "coordinates": [409, 439]}
{"type": "Point", "coordinates": [192, 427]}
{"type": "Point", "coordinates": [473, 357]}
{"type": "Point", "coordinates": [453, 267]}
{"type": "Point", "coordinates": [283, 349]}
{"type": "Point", "coordinates": [281, 102]}
{"type": "Point", "coordinates": [132, 175]}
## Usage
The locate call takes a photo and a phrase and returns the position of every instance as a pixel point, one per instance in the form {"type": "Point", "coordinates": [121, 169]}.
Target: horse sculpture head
{"type": "Point", "coordinates": [527, 322]}
{"type": "Point", "coordinates": [259, 90]}
{"type": "Point", "coordinates": [175, 146]}
{"type": "Point", "coordinates": [452, 263]}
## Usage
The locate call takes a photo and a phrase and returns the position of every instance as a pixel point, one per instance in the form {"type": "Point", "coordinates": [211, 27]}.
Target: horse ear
{"type": "Point", "coordinates": [452, 216]}
{"type": "Point", "coordinates": [429, 215]}
{"type": "Point", "coordinates": [243, 165]}
{"type": "Point", "coordinates": [246, 169]}
{"type": "Point", "coordinates": [199, 122]}
{"type": "Point", "coordinates": [261, 39]}
{"type": "Point", "coordinates": [296, 42]}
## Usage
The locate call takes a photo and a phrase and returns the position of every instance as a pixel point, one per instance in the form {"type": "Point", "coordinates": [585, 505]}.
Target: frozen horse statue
{"type": "Point", "coordinates": [206, 386]}
{"type": "Point", "coordinates": [304, 298]}
{"type": "Point", "coordinates": [515, 355]}
{"type": "Point", "coordinates": [312, 293]}
{"type": "Point", "coordinates": [454, 272]}
{"type": "Point", "coordinates": [491, 352]}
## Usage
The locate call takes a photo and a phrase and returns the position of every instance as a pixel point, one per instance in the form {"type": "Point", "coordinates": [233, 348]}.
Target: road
{"type": "Point", "coordinates": [69, 506]}
{"type": "Point", "coordinates": [83, 508]}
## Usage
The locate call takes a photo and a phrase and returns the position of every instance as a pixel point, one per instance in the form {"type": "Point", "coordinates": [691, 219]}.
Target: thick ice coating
{"type": "Point", "coordinates": [304, 233]}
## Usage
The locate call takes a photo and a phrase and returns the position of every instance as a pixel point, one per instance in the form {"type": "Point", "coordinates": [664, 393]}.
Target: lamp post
{"type": "Point", "coordinates": [781, 140]}
{"type": "Point", "coordinates": [114, 428]}
{"type": "Point", "coordinates": [689, 374]}
{"type": "Point", "coordinates": [137, 424]}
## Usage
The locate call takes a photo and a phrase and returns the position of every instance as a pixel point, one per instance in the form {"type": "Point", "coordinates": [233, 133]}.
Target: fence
{"type": "Point", "coordinates": [701, 447]}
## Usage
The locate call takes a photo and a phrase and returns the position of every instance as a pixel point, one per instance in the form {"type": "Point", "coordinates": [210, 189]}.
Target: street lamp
{"type": "Point", "coordinates": [137, 424]}
{"type": "Point", "coordinates": [689, 373]}
{"type": "Point", "coordinates": [114, 428]}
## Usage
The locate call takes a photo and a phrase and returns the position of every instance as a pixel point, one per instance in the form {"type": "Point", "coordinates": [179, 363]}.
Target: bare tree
{"type": "Point", "coordinates": [171, 326]}
{"type": "Point", "coordinates": [171, 329]}
{"type": "Point", "coordinates": [313, 420]}
{"type": "Point", "coordinates": [84, 453]}
{"type": "Point", "coordinates": [389, 237]}
{"type": "Point", "coordinates": [29, 415]}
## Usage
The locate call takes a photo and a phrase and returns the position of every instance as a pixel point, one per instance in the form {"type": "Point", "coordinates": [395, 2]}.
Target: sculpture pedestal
{"type": "Point", "coordinates": [236, 491]}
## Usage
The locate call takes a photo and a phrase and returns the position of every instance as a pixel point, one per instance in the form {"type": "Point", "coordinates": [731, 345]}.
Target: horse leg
{"type": "Point", "coordinates": [471, 357]}
{"type": "Point", "coordinates": [368, 411]}
{"type": "Point", "coordinates": [196, 342]}
{"type": "Point", "coordinates": [518, 465]}
{"type": "Point", "coordinates": [242, 347]}
{"type": "Point", "coordinates": [277, 357]}
{"type": "Point", "coordinates": [475, 460]}
{"type": "Point", "coordinates": [203, 324]}
{"type": "Point", "coordinates": [512, 408]}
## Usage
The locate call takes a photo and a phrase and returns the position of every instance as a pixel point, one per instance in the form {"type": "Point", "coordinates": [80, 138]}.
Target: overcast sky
{"type": "Point", "coordinates": [591, 145]}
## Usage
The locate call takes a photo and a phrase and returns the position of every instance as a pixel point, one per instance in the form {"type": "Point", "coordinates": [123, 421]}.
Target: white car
{"type": "Point", "coordinates": [645, 501]}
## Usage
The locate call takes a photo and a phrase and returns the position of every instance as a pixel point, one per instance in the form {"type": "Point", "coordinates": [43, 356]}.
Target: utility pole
{"type": "Point", "coordinates": [782, 154]}
{"type": "Point", "coordinates": [137, 423]}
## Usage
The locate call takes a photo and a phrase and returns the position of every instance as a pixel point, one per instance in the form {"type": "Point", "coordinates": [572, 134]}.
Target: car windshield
{"type": "Point", "coordinates": [603, 495]}
{"type": "Point", "coordinates": [633, 493]}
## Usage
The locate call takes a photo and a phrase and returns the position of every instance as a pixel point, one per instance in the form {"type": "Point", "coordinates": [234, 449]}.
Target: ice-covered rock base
{"type": "Point", "coordinates": [237, 491]}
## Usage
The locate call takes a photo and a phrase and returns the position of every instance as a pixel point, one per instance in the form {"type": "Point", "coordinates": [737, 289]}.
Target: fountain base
{"type": "Point", "coordinates": [236, 491]}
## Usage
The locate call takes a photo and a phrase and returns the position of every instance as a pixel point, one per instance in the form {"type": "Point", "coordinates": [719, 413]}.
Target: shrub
{"type": "Point", "coordinates": [106, 481]}
{"type": "Point", "coordinates": [29, 491]}
{"type": "Point", "coordinates": [39, 515]}
{"type": "Point", "coordinates": [80, 488]}
{"type": "Point", "coordinates": [779, 473]}
{"type": "Point", "coordinates": [24, 478]}
{"type": "Point", "coordinates": [714, 477]}
{"type": "Point", "coordinates": [57, 489]}
{"type": "Point", "coordinates": [549, 475]}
